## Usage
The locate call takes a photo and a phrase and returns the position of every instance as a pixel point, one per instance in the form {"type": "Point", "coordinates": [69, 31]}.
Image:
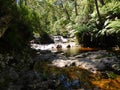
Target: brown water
{"type": "Point", "coordinates": [70, 74]}
{"type": "Point", "coordinates": [72, 51]}
{"type": "Point", "coordinates": [76, 50]}
{"type": "Point", "coordinates": [77, 78]}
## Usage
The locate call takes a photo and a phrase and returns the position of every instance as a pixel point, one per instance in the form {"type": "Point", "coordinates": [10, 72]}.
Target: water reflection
{"type": "Point", "coordinates": [72, 50]}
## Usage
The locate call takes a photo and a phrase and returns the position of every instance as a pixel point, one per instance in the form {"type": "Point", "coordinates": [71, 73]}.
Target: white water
{"type": "Point", "coordinates": [52, 47]}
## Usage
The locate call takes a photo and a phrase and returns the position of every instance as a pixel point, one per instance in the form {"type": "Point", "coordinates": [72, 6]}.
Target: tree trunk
{"type": "Point", "coordinates": [76, 12]}
{"type": "Point", "coordinates": [66, 12]}
{"type": "Point", "coordinates": [98, 13]}
{"type": "Point", "coordinates": [102, 2]}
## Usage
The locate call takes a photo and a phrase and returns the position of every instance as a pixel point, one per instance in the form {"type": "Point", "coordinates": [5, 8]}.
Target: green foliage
{"type": "Point", "coordinates": [84, 13]}
{"type": "Point", "coordinates": [6, 7]}
{"type": "Point", "coordinates": [59, 26]}
{"type": "Point", "coordinates": [110, 8]}
{"type": "Point", "coordinates": [82, 28]}
{"type": "Point", "coordinates": [50, 17]}
{"type": "Point", "coordinates": [114, 24]}
{"type": "Point", "coordinates": [109, 35]}
{"type": "Point", "coordinates": [113, 28]}
{"type": "Point", "coordinates": [25, 21]}
{"type": "Point", "coordinates": [111, 75]}
{"type": "Point", "coordinates": [82, 33]}
{"type": "Point", "coordinates": [19, 31]}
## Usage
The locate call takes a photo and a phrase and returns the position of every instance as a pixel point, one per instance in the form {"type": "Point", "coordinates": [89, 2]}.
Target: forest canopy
{"type": "Point", "coordinates": [94, 22]}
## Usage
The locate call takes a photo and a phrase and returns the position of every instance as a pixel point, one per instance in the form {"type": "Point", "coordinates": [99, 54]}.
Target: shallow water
{"type": "Point", "coordinates": [74, 49]}
{"type": "Point", "coordinates": [75, 77]}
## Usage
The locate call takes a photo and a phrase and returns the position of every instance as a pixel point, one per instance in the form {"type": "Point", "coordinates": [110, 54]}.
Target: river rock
{"type": "Point", "coordinates": [15, 87]}
{"type": "Point", "coordinates": [45, 51]}
{"type": "Point", "coordinates": [93, 61]}
{"type": "Point", "coordinates": [59, 46]}
{"type": "Point", "coordinates": [13, 74]}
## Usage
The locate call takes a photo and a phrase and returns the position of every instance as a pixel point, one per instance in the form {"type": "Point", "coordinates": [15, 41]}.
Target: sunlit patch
{"type": "Point", "coordinates": [75, 77]}
{"type": "Point", "coordinates": [108, 84]}
{"type": "Point", "coordinates": [79, 70]}
{"type": "Point", "coordinates": [52, 46]}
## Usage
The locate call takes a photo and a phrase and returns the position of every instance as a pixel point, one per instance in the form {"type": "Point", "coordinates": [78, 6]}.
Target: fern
{"type": "Point", "coordinates": [110, 8]}
{"type": "Point", "coordinates": [114, 24]}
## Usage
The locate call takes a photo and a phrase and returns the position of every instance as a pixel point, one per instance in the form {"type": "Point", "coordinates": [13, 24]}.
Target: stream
{"type": "Point", "coordinates": [74, 49]}
{"type": "Point", "coordinates": [77, 68]}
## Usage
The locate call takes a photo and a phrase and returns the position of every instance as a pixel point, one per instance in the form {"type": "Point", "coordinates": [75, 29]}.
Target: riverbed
{"type": "Point", "coordinates": [72, 50]}
{"type": "Point", "coordinates": [72, 63]}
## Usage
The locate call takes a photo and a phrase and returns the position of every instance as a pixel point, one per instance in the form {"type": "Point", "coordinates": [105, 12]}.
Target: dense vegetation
{"type": "Point", "coordinates": [102, 28]}
{"type": "Point", "coordinates": [95, 23]}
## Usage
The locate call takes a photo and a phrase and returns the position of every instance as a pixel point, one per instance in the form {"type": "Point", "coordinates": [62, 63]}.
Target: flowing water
{"type": "Point", "coordinates": [73, 77]}
{"type": "Point", "coordinates": [74, 49]}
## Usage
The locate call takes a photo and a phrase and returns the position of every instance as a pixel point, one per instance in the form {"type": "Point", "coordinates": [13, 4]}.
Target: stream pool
{"type": "Point", "coordinates": [74, 78]}
{"type": "Point", "coordinates": [74, 49]}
